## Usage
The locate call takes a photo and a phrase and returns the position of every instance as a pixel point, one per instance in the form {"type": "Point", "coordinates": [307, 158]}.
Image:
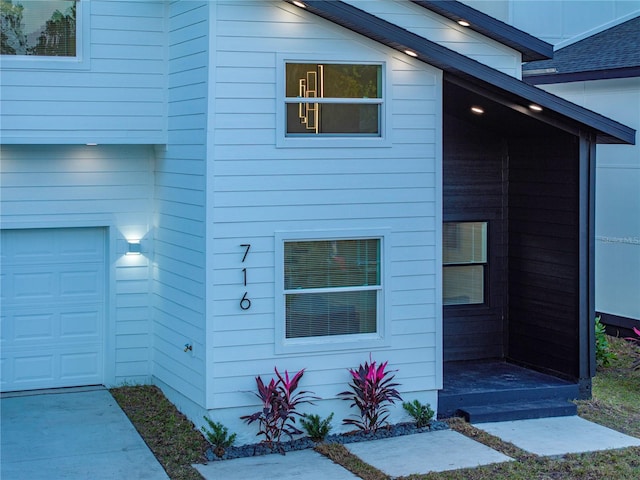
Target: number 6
{"type": "Point", "coordinates": [245, 303]}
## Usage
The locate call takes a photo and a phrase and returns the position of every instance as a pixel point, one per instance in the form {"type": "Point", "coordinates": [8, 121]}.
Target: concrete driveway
{"type": "Point", "coordinates": [71, 434]}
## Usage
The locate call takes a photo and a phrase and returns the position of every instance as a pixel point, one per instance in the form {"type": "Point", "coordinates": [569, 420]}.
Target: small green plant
{"type": "Point", "coordinates": [316, 427]}
{"type": "Point", "coordinates": [218, 436]}
{"type": "Point", "coordinates": [421, 413]}
{"type": "Point", "coordinates": [604, 355]}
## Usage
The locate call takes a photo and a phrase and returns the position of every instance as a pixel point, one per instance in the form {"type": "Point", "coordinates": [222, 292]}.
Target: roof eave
{"type": "Point", "coordinates": [531, 48]}
{"type": "Point", "coordinates": [393, 36]}
{"type": "Point", "coordinates": [605, 74]}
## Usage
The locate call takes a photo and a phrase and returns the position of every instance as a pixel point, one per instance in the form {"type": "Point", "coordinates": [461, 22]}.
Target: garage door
{"type": "Point", "coordinates": [52, 311]}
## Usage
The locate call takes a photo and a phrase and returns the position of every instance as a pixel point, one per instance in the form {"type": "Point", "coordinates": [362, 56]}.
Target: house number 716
{"type": "Point", "coordinates": [245, 303]}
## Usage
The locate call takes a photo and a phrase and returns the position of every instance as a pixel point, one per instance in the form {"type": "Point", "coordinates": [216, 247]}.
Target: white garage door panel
{"type": "Point", "coordinates": [52, 322]}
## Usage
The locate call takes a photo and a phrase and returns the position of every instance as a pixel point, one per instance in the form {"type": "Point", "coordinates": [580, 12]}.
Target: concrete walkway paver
{"type": "Point", "coordinates": [429, 452]}
{"type": "Point", "coordinates": [425, 452]}
{"type": "Point", "coordinates": [304, 464]}
{"type": "Point", "coordinates": [559, 435]}
{"type": "Point", "coordinates": [73, 435]}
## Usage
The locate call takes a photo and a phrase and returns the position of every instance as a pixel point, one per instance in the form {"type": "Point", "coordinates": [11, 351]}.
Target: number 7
{"type": "Point", "coordinates": [246, 252]}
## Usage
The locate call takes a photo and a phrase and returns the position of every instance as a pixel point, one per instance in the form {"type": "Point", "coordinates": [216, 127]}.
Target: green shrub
{"type": "Point", "coordinates": [218, 436]}
{"type": "Point", "coordinates": [316, 427]}
{"type": "Point", "coordinates": [422, 414]}
{"type": "Point", "coordinates": [604, 355]}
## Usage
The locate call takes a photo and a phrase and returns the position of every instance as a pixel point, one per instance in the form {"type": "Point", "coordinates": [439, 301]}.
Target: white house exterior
{"type": "Point", "coordinates": [165, 135]}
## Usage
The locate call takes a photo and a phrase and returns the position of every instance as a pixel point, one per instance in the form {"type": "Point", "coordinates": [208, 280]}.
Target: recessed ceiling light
{"type": "Point", "coordinates": [477, 110]}
{"type": "Point", "coordinates": [535, 108]}
{"type": "Point", "coordinates": [464, 23]}
{"type": "Point", "coordinates": [91, 144]}
{"type": "Point", "coordinates": [299, 4]}
{"type": "Point", "coordinates": [411, 53]}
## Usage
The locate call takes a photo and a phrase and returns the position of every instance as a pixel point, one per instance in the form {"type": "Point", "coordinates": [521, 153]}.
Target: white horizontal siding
{"type": "Point", "coordinates": [445, 32]}
{"type": "Point", "coordinates": [179, 274]}
{"type": "Point", "coordinates": [118, 99]}
{"type": "Point", "coordinates": [61, 186]}
{"type": "Point", "coordinates": [258, 189]}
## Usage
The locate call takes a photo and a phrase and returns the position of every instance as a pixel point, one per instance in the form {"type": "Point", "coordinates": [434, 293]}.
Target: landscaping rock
{"type": "Point", "coordinates": [256, 449]}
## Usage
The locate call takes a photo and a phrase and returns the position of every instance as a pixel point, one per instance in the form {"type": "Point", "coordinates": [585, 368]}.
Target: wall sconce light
{"type": "Point", "coordinates": [134, 247]}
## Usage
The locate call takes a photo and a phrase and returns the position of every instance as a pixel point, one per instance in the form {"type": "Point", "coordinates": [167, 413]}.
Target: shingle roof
{"type": "Point", "coordinates": [612, 53]}
{"type": "Point", "coordinates": [511, 91]}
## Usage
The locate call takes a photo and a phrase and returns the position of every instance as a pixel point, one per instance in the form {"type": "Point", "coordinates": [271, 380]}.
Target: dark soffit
{"type": "Point", "coordinates": [508, 90]}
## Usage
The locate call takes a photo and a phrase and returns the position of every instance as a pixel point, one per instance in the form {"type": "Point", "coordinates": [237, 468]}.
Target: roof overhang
{"type": "Point", "coordinates": [506, 89]}
{"type": "Point", "coordinates": [535, 78]}
{"type": "Point", "coordinates": [531, 48]}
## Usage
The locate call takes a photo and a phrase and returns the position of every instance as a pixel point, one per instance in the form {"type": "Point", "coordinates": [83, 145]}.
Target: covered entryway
{"type": "Point", "coordinates": [53, 307]}
{"type": "Point", "coordinates": [517, 214]}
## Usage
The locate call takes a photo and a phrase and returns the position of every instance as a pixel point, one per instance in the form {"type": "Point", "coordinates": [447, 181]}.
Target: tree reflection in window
{"type": "Point", "coordinates": [38, 28]}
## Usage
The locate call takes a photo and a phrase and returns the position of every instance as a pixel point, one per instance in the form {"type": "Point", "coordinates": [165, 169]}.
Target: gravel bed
{"type": "Point", "coordinates": [256, 449]}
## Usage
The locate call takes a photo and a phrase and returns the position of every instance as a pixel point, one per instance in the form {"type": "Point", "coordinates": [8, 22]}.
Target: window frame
{"type": "Point", "coordinates": [379, 338]}
{"type": "Point", "coordinates": [284, 140]}
{"type": "Point", "coordinates": [80, 61]}
{"type": "Point", "coordinates": [485, 268]}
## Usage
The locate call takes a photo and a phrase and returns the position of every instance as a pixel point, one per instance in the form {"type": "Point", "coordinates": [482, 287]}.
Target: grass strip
{"type": "Point", "coordinates": [172, 438]}
{"type": "Point", "coordinates": [342, 456]}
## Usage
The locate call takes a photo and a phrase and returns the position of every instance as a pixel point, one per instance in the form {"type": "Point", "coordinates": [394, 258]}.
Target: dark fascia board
{"type": "Point", "coordinates": [576, 118]}
{"type": "Point", "coordinates": [532, 48]}
{"type": "Point", "coordinates": [551, 78]}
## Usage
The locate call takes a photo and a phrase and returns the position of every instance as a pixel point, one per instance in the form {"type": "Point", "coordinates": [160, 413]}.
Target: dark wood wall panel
{"type": "Point", "coordinates": [474, 188]}
{"type": "Point", "coordinates": [543, 263]}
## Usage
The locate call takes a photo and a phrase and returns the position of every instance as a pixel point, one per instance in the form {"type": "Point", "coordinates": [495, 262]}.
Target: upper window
{"type": "Point", "coordinates": [464, 258]}
{"type": "Point", "coordinates": [38, 28]}
{"type": "Point", "coordinates": [333, 99]}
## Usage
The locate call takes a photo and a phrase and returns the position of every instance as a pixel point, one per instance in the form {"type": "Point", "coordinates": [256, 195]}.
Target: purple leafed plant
{"type": "Point", "coordinates": [279, 403]}
{"type": "Point", "coordinates": [372, 391]}
{"type": "Point", "coordinates": [637, 332]}
{"type": "Point", "coordinates": [636, 362]}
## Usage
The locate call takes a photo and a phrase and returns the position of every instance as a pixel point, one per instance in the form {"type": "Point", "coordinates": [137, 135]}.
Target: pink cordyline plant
{"type": "Point", "coordinates": [372, 391]}
{"type": "Point", "coordinates": [279, 402]}
{"type": "Point", "coordinates": [636, 362]}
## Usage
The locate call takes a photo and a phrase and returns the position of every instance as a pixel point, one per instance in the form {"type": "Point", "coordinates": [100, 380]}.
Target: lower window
{"type": "Point", "coordinates": [464, 259]}
{"type": "Point", "coordinates": [332, 287]}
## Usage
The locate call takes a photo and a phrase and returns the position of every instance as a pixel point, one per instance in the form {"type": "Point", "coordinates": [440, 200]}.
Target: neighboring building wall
{"type": "Point", "coordinates": [53, 186]}
{"type": "Point", "coordinates": [179, 219]}
{"type": "Point", "coordinates": [557, 21]}
{"type": "Point", "coordinates": [115, 95]}
{"type": "Point", "coordinates": [617, 194]}
{"type": "Point", "coordinates": [260, 189]}
{"type": "Point", "coordinates": [447, 33]}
